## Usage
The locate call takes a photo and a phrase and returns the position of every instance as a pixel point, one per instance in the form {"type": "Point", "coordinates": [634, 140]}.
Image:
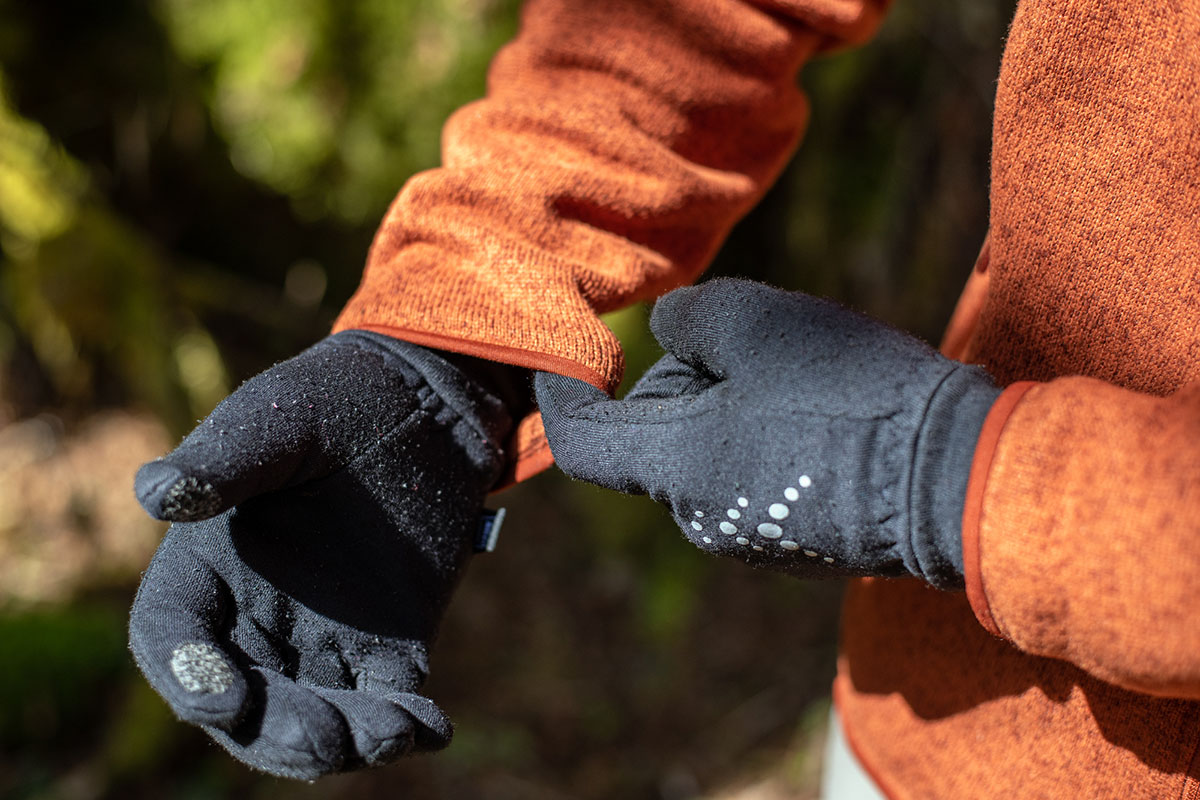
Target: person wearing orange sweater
{"type": "Point", "coordinates": [617, 145]}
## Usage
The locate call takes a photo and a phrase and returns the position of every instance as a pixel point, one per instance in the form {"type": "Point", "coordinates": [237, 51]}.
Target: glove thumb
{"type": "Point", "coordinates": [593, 437]}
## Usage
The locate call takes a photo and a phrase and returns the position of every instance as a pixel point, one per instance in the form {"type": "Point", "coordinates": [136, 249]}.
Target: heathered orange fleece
{"type": "Point", "coordinates": [620, 141]}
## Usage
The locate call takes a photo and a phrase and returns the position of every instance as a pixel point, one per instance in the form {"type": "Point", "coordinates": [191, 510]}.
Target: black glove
{"type": "Point", "coordinates": [323, 515]}
{"type": "Point", "coordinates": [788, 432]}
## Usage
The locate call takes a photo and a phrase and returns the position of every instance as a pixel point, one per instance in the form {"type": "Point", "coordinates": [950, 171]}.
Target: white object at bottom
{"type": "Point", "coordinates": [842, 777]}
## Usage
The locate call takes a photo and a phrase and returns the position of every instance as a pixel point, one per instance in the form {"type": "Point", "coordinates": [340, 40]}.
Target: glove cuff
{"type": "Point", "coordinates": [942, 458]}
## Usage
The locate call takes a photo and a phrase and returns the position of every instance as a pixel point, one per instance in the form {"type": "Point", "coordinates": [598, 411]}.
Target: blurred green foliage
{"type": "Point", "coordinates": [187, 192]}
{"type": "Point", "coordinates": [53, 680]}
{"type": "Point", "coordinates": [335, 104]}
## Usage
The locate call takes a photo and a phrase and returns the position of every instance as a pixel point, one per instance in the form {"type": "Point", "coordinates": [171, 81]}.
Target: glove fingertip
{"type": "Point", "coordinates": [667, 307]}
{"type": "Point", "coordinates": [223, 711]}
{"type": "Point", "coordinates": [433, 729]}
{"type": "Point", "coordinates": [559, 394]}
{"type": "Point", "coordinates": [287, 730]}
{"type": "Point", "coordinates": [560, 399]}
{"type": "Point", "coordinates": [170, 494]}
{"type": "Point", "coordinates": [197, 680]}
{"type": "Point", "coordinates": [688, 305]}
{"type": "Point", "coordinates": [592, 437]}
{"type": "Point", "coordinates": [706, 325]}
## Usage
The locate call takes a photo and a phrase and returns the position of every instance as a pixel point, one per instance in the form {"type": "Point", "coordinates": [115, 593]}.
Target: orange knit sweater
{"type": "Point", "coordinates": [620, 141]}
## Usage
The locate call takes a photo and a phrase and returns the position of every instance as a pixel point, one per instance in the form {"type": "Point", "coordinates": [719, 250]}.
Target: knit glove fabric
{"type": "Point", "coordinates": [323, 514]}
{"type": "Point", "coordinates": [788, 432]}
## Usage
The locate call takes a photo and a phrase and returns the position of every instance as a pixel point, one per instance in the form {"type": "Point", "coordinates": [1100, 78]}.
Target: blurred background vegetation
{"type": "Point", "coordinates": [187, 192]}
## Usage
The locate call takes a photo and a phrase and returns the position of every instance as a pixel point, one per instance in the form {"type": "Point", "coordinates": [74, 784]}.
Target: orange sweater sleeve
{"type": "Point", "coordinates": [618, 143]}
{"type": "Point", "coordinates": [1082, 530]}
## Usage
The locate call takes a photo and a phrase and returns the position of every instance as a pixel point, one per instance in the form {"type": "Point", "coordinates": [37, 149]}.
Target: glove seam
{"type": "Point", "coordinates": [593, 417]}
{"type": "Point", "coordinates": [457, 416]}
{"type": "Point", "coordinates": [430, 415]}
{"type": "Point", "coordinates": [460, 416]}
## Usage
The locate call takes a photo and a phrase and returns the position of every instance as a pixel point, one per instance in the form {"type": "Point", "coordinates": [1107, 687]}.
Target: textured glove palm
{"type": "Point", "coordinates": [323, 515]}
{"type": "Point", "coordinates": [786, 431]}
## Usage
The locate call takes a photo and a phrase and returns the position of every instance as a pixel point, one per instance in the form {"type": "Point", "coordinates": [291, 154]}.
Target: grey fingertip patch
{"type": "Point", "coordinates": [189, 500]}
{"type": "Point", "coordinates": [201, 668]}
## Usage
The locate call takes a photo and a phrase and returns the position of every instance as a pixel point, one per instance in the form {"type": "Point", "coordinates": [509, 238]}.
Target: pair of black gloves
{"type": "Point", "coordinates": [325, 511]}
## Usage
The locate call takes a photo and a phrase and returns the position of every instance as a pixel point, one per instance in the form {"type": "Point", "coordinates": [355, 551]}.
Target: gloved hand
{"type": "Point", "coordinates": [323, 515]}
{"type": "Point", "coordinates": [788, 432]}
